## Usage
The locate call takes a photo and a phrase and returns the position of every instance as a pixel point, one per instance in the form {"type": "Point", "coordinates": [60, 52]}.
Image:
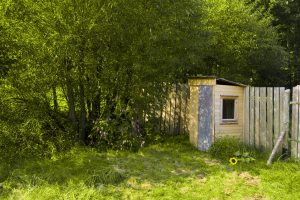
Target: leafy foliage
{"type": "Point", "coordinates": [244, 157]}
{"type": "Point", "coordinates": [96, 72]}
{"type": "Point", "coordinates": [226, 147]}
{"type": "Point", "coordinates": [243, 44]}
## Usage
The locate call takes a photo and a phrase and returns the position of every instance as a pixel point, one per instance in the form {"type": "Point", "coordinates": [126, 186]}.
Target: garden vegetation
{"type": "Point", "coordinates": [82, 76]}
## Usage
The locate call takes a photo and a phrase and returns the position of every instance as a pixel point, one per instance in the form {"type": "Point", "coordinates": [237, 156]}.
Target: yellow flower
{"type": "Point", "coordinates": [233, 161]}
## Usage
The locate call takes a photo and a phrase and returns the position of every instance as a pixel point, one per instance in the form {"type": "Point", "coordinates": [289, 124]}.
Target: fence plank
{"type": "Point", "coordinates": [167, 110]}
{"type": "Point", "coordinates": [281, 115]}
{"type": "Point", "coordinates": [251, 117]}
{"type": "Point", "coordinates": [295, 119]}
{"type": "Point", "coordinates": [246, 117]}
{"type": "Point", "coordinates": [177, 110]}
{"type": "Point", "coordinates": [269, 132]}
{"type": "Point", "coordinates": [256, 117]}
{"type": "Point", "coordinates": [262, 117]}
{"type": "Point", "coordinates": [180, 124]}
{"type": "Point", "coordinates": [171, 111]}
{"type": "Point", "coordinates": [286, 111]}
{"type": "Point", "coordinates": [298, 129]}
{"type": "Point", "coordinates": [276, 115]}
{"type": "Point", "coordinates": [186, 97]}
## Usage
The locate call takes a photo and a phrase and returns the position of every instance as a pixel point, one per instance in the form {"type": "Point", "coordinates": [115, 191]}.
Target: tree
{"type": "Point", "coordinates": [97, 71]}
{"type": "Point", "coordinates": [109, 59]}
{"type": "Point", "coordinates": [287, 22]}
{"type": "Point", "coordinates": [243, 44]}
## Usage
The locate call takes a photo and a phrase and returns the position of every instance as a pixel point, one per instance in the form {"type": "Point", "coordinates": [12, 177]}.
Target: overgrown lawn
{"type": "Point", "coordinates": [171, 170]}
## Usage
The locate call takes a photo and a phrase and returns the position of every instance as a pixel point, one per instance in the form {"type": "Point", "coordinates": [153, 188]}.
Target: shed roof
{"type": "Point", "coordinates": [222, 81]}
{"type": "Point", "coordinates": [219, 81]}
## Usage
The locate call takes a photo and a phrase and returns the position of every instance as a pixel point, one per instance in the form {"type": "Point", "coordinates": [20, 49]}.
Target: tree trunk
{"type": "Point", "coordinates": [81, 72]}
{"type": "Point", "coordinates": [82, 120]}
{"type": "Point", "coordinates": [95, 111]}
{"type": "Point", "coordinates": [70, 96]}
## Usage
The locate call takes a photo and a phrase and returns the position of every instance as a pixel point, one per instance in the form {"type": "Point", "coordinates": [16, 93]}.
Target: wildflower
{"type": "Point", "coordinates": [233, 161]}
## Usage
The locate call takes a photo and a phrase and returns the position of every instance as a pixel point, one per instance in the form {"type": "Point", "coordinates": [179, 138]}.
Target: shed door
{"type": "Point", "coordinates": [205, 128]}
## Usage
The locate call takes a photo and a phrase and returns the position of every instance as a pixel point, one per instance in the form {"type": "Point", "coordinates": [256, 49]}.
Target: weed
{"type": "Point", "coordinates": [227, 147]}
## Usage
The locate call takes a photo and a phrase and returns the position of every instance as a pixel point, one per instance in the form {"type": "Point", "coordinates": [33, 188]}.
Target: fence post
{"type": "Point", "coordinates": [251, 117]}
{"type": "Point", "coordinates": [246, 117]}
{"type": "Point", "coordinates": [276, 115]}
{"type": "Point", "coordinates": [262, 118]}
{"type": "Point", "coordinates": [286, 120]}
{"type": "Point", "coordinates": [270, 109]}
{"type": "Point", "coordinates": [256, 117]}
{"type": "Point", "coordinates": [295, 125]}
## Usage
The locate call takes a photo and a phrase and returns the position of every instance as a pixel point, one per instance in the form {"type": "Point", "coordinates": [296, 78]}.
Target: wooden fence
{"type": "Point", "coordinates": [295, 130]}
{"type": "Point", "coordinates": [172, 114]}
{"type": "Point", "coordinates": [266, 115]}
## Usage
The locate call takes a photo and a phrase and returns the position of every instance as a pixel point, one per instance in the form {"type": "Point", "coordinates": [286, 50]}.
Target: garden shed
{"type": "Point", "coordinates": [215, 109]}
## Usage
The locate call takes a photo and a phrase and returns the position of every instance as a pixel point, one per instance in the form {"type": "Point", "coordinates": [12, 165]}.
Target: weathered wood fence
{"type": "Point", "coordinates": [266, 115]}
{"type": "Point", "coordinates": [172, 113]}
{"type": "Point", "coordinates": [295, 130]}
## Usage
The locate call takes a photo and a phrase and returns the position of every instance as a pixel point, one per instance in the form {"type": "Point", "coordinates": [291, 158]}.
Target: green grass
{"type": "Point", "coordinates": [172, 170]}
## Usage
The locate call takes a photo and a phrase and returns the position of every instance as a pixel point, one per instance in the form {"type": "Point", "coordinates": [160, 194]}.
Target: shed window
{"type": "Point", "coordinates": [228, 108]}
{"type": "Point", "coordinates": [229, 112]}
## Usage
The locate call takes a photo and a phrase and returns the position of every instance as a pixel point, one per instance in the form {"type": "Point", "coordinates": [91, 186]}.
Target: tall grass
{"type": "Point", "coordinates": [171, 170]}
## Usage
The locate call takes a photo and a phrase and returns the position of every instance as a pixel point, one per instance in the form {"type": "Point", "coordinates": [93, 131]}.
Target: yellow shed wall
{"type": "Point", "coordinates": [236, 129]}
{"type": "Point", "coordinates": [192, 111]}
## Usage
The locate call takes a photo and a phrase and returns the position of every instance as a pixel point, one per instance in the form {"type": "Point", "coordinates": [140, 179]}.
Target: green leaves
{"type": "Point", "coordinates": [115, 60]}
{"type": "Point", "coordinates": [242, 43]}
{"type": "Point", "coordinates": [244, 156]}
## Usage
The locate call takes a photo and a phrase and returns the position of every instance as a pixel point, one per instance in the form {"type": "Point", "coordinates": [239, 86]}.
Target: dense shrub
{"type": "Point", "coordinates": [32, 138]}
{"type": "Point", "coordinates": [119, 134]}
{"type": "Point", "coordinates": [34, 133]}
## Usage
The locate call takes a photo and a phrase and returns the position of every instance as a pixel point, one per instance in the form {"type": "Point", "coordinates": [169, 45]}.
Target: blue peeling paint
{"type": "Point", "coordinates": [205, 117]}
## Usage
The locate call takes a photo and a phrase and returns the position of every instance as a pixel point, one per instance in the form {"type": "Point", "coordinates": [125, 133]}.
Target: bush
{"type": "Point", "coordinates": [227, 147]}
{"type": "Point", "coordinates": [32, 138]}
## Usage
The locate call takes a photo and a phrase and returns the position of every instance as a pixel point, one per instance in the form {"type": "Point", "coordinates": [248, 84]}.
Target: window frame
{"type": "Point", "coordinates": [235, 119]}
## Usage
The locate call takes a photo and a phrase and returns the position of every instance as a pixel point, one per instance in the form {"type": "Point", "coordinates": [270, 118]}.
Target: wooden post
{"type": "Point", "coordinates": [185, 95]}
{"type": "Point", "coordinates": [257, 117]}
{"type": "Point", "coordinates": [281, 115]}
{"type": "Point", "coordinates": [286, 120]}
{"type": "Point", "coordinates": [251, 117]}
{"type": "Point", "coordinates": [276, 115]}
{"type": "Point", "coordinates": [171, 116]}
{"type": "Point", "coordinates": [246, 117]}
{"type": "Point", "coordinates": [275, 149]}
{"type": "Point", "coordinates": [262, 118]}
{"type": "Point", "coordinates": [180, 121]}
{"type": "Point", "coordinates": [295, 110]}
{"type": "Point", "coordinates": [269, 137]}
{"type": "Point", "coordinates": [297, 136]}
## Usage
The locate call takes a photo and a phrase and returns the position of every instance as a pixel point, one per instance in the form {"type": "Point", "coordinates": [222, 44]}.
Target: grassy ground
{"type": "Point", "coordinates": [172, 170]}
